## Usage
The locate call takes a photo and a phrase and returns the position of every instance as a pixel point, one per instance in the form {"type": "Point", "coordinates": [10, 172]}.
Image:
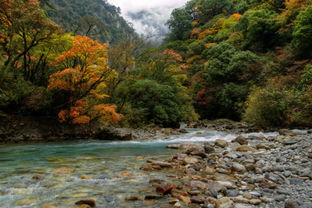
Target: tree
{"type": "Point", "coordinates": [23, 26]}
{"type": "Point", "coordinates": [84, 76]}
{"type": "Point", "coordinates": [259, 28]}
{"type": "Point", "coordinates": [302, 35]}
{"type": "Point", "coordinates": [180, 24]}
{"type": "Point", "coordinates": [202, 10]}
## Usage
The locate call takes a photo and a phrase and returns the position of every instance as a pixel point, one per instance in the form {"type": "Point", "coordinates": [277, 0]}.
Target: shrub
{"type": "Point", "coordinates": [302, 35]}
{"type": "Point", "coordinates": [267, 107]}
{"type": "Point", "coordinates": [153, 103]}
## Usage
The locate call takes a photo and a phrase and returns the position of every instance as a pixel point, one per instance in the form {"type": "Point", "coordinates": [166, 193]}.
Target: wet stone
{"type": "Point", "coordinates": [198, 199]}
{"type": "Point", "coordinates": [221, 143]}
{"type": "Point", "coordinates": [241, 140]}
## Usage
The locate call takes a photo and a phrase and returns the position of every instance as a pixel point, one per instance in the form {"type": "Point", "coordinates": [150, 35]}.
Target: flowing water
{"type": "Point", "coordinates": [59, 174]}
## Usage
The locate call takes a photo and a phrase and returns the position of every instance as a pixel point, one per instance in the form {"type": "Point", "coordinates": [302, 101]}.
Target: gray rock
{"type": "Point", "coordinates": [238, 168]}
{"type": "Point", "coordinates": [221, 143]}
{"type": "Point", "coordinates": [291, 204]}
{"type": "Point", "coordinates": [231, 193]}
{"type": "Point", "coordinates": [287, 173]}
{"type": "Point", "coordinates": [280, 198]}
{"type": "Point", "coordinates": [295, 181]}
{"type": "Point", "coordinates": [208, 148]}
{"type": "Point", "coordinates": [241, 140]}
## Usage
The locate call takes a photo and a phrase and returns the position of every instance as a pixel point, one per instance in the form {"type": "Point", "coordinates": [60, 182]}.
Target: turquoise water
{"type": "Point", "coordinates": [104, 165]}
{"type": "Point", "coordinates": [60, 174]}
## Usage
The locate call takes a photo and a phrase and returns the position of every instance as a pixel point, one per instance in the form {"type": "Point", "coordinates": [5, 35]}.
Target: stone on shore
{"type": "Point", "coordinates": [221, 143]}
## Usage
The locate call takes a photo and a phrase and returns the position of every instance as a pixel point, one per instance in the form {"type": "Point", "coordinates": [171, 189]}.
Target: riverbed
{"type": "Point", "coordinates": [59, 174]}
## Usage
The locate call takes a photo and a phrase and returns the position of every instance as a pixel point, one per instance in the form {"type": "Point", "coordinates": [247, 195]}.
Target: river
{"type": "Point", "coordinates": [59, 174]}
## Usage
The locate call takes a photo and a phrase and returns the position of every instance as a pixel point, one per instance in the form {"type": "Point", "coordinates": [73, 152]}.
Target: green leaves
{"type": "Point", "coordinates": [302, 35]}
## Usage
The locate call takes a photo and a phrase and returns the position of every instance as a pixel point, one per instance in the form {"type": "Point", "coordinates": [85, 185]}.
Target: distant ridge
{"type": "Point", "coordinates": [95, 18]}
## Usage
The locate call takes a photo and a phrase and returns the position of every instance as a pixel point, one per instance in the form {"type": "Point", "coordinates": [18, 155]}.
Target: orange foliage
{"type": "Point", "coordinates": [57, 81]}
{"type": "Point", "coordinates": [195, 32]}
{"type": "Point", "coordinates": [208, 45]}
{"type": "Point", "coordinates": [201, 97]}
{"type": "Point", "coordinates": [81, 120]}
{"type": "Point", "coordinates": [62, 116]}
{"type": "Point", "coordinates": [204, 34]}
{"type": "Point", "coordinates": [85, 49]}
{"type": "Point", "coordinates": [173, 54]}
{"type": "Point", "coordinates": [236, 15]}
{"type": "Point", "coordinates": [195, 22]}
{"type": "Point", "coordinates": [108, 112]}
{"type": "Point", "coordinates": [87, 79]}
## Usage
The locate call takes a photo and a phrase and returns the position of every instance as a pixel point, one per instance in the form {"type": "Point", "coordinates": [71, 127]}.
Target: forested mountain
{"type": "Point", "coordinates": [247, 59]}
{"type": "Point", "coordinates": [96, 18]}
{"type": "Point", "coordinates": [236, 59]}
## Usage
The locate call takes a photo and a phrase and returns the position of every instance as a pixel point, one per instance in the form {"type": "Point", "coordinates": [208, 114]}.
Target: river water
{"type": "Point", "coordinates": [59, 174]}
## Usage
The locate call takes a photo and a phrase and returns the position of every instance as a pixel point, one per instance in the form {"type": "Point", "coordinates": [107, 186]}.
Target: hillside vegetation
{"type": "Point", "coordinates": [247, 59]}
{"type": "Point", "coordinates": [95, 18]}
{"type": "Point", "coordinates": [236, 59]}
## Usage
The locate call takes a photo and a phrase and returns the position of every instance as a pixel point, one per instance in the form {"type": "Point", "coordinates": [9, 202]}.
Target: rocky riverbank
{"type": "Point", "coordinates": [247, 172]}
{"type": "Point", "coordinates": [22, 129]}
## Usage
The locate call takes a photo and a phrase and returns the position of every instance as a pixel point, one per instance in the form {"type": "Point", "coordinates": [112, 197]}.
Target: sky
{"type": "Point", "coordinates": [148, 16]}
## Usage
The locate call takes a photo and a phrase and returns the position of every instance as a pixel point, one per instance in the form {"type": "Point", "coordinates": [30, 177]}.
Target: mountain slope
{"type": "Point", "coordinates": [95, 18]}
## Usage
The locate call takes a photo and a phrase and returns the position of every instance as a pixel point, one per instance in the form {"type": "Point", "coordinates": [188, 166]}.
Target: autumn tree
{"type": "Point", "coordinates": [23, 26]}
{"type": "Point", "coordinates": [84, 77]}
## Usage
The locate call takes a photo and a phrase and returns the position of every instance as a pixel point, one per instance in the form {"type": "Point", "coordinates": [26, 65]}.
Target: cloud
{"type": "Point", "coordinates": [148, 16]}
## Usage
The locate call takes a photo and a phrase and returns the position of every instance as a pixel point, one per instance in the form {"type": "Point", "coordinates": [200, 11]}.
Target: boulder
{"type": "Point", "coordinates": [238, 167]}
{"type": "Point", "coordinates": [208, 148]}
{"type": "Point", "coordinates": [224, 202]}
{"type": "Point", "coordinates": [221, 143]}
{"type": "Point", "coordinates": [245, 148]}
{"type": "Point", "coordinates": [190, 160]}
{"type": "Point", "coordinates": [241, 140]}
{"type": "Point", "coordinates": [198, 199]}
{"type": "Point", "coordinates": [165, 188]}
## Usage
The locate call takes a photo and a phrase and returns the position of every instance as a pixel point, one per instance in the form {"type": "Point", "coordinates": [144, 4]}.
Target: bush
{"type": "Point", "coordinates": [231, 99]}
{"type": "Point", "coordinates": [267, 107]}
{"type": "Point", "coordinates": [302, 35]}
{"type": "Point", "coordinates": [259, 28]}
{"type": "Point", "coordinates": [150, 102]}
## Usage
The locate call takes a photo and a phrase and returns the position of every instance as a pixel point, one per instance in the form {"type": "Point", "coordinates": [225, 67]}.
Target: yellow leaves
{"type": "Point", "coordinates": [193, 58]}
{"type": "Point", "coordinates": [236, 37]}
{"type": "Point", "coordinates": [180, 77]}
{"type": "Point", "coordinates": [292, 7]}
{"type": "Point", "coordinates": [208, 45]}
{"type": "Point", "coordinates": [86, 81]}
{"type": "Point", "coordinates": [173, 69]}
{"type": "Point", "coordinates": [108, 112]}
{"type": "Point", "coordinates": [89, 51]}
